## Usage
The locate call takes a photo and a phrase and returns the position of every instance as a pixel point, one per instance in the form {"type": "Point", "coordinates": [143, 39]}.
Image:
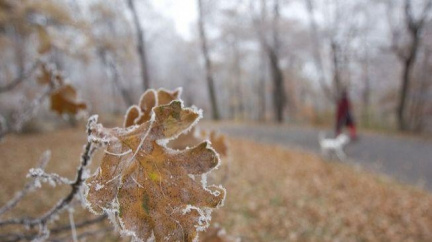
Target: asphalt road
{"type": "Point", "coordinates": [406, 159]}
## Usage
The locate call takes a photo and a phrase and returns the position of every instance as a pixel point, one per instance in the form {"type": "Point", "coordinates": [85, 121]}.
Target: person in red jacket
{"type": "Point", "coordinates": [344, 116]}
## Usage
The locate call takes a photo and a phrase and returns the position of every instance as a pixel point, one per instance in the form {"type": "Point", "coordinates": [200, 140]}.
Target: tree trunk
{"type": "Point", "coordinates": [208, 64]}
{"type": "Point", "coordinates": [279, 98]}
{"type": "Point", "coordinates": [414, 28]}
{"type": "Point", "coordinates": [408, 61]}
{"type": "Point", "coordinates": [417, 108]}
{"type": "Point", "coordinates": [263, 70]}
{"type": "Point", "coordinates": [336, 69]}
{"type": "Point", "coordinates": [366, 94]}
{"type": "Point", "coordinates": [140, 46]}
{"type": "Point", "coordinates": [240, 107]}
{"type": "Point", "coordinates": [262, 87]}
{"type": "Point", "coordinates": [115, 77]}
{"type": "Point", "coordinates": [403, 92]}
{"type": "Point", "coordinates": [317, 53]}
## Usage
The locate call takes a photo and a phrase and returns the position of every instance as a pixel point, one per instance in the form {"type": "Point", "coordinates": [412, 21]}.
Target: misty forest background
{"type": "Point", "coordinates": [246, 60]}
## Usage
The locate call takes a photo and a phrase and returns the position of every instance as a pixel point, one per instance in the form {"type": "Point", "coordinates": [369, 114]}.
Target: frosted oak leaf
{"type": "Point", "coordinates": [138, 114]}
{"type": "Point", "coordinates": [196, 136]}
{"type": "Point", "coordinates": [150, 188]}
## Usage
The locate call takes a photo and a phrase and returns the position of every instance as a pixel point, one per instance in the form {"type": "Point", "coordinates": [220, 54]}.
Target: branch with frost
{"type": "Point", "coordinates": [53, 179]}
{"type": "Point", "coordinates": [38, 174]}
{"type": "Point", "coordinates": [14, 83]}
{"type": "Point", "coordinates": [58, 230]}
{"type": "Point", "coordinates": [23, 116]}
{"type": "Point", "coordinates": [30, 186]}
{"type": "Point", "coordinates": [54, 81]}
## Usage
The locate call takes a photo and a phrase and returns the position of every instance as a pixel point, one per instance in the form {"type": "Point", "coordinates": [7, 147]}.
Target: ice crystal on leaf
{"type": "Point", "coordinates": [148, 186]}
{"type": "Point", "coordinates": [138, 114]}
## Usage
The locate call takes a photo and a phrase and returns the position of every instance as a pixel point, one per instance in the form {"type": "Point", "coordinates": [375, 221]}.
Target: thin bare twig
{"type": "Point", "coordinates": [63, 203]}
{"type": "Point", "coordinates": [53, 231]}
{"type": "Point", "coordinates": [20, 79]}
{"type": "Point", "coordinates": [79, 225]}
{"type": "Point", "coordinates": [84, 234]}
{"type": "Point", "coordinates": [27, 187]}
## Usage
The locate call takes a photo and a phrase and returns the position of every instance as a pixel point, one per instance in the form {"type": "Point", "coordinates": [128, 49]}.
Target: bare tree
{"type": "Point", "coordinates": [105, 31]}
{"type": "Point", "coordinates": [316, 50]}
{"type": "Point", "coordinates": [407, 55]}
{"type": "Point", "coordinates": [110, 64]}
{"type": "Point", "coordinates": [279, 98]}
{"type": "Point", "coordinates": [366, 92]}
{"type": "Point", "coordinates": [335, 52]}
{"type": "Point", "coordinates": [140, 45]}
{"type": "Point", "coordinates": [263, 69]}
{"type": "Point", "coordinates": [262, 85]}
{"type": "Point", "coordinates": [208, 63]}
{"type": "Point", "coordinates": [418, 105]}
{"type": "Point", "coordinates": [271, 50]}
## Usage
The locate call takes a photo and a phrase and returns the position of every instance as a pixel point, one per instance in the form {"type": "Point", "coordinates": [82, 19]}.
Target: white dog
{"type": "Point", "coordinates": [335, 145]}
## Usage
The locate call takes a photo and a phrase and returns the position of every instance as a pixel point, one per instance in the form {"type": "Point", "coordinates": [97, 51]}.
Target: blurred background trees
{"type": "Point", "coordinates": [267, 61]}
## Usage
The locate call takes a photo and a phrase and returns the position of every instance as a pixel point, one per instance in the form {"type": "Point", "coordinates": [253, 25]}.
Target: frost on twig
{"type": "Point", "coordinates": [63, 99]}
{"type": "Point", "coordinates": [148, 187]}
{"type": "Point", "coordinates": [30, 186]}
{"type": "Point", "coordinates": [53, 179]}
{"type": "Point", "coordinates": [39, 174]}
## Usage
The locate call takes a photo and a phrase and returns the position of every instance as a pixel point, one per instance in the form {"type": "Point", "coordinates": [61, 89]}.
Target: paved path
{"type": "Point", "coordinates": [406, 159]}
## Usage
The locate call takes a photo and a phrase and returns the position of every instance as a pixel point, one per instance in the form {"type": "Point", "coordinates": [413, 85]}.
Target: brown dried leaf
{"type": "Point", "coordinates": [219, 143]}
{"type": "Point", "coordinates": [64, 100]}
{"type": "Point", "coordinates": [189, 139]}
{"type": "Point", "coordinates": [165, 97]}
{"type": "Point", "coordinates": [195, 136]}
{"type": "Point", "coordinates": [148, 186]}
{"type": "Point", "coordinates": [148, 101]}
{"type": "Point", "coordinates": [132, 115]}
